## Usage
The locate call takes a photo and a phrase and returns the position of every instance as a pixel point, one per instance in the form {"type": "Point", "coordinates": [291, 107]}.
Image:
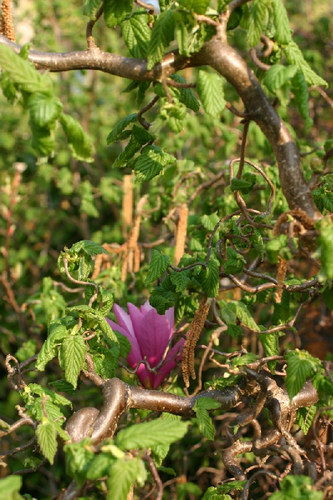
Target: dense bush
{"type": "Point", "coordinates": [179, 153]}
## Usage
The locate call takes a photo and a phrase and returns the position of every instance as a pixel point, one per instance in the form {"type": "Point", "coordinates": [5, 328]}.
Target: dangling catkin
{"type": "Point", "coordinates": [192, 340]}
{"type": "Point", "coordinates": [181, 233]}
{"type": "Point", "coordinates": [127, 208]}
{"type": "Point", "coordinates": [280, 276]}
{"type": "Point", "coordinates": [6, 22]}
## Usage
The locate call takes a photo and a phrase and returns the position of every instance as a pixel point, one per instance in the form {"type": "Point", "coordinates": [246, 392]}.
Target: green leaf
{"type": "Point", "coordinates": [305, 418]}
{"type": "Point", "coordinates": [162, 34]}
{"type": "Point", "coordinates": [211, 93]}
{"type": "Point", "coordinates": [149, 434]}
{"type": "Point", "coordinates": [185, 95]}
{"type": "Point", "coordinates": [205, 423]}
{"type": "Point", "coordinates": [295, 56]}
{"type": "Point", "coordinates": [235, 262]}
{"type": "Point", "coordinates": [297, 488]}
{"type": "Point", "coordinates": [23, 73]}
{"type": "Point", "coordinates": [43, 141]}
{"type": "Point", "coordinates": [281, 22]}
{"type": "Point", "coordinates": [136, 34]}
{"type": "Point", "coordinates": [116, 132]}
{"type": "Point", "coordinates": [209, 221]}
{"type": "Point", "coordinates": [26, 350]}
{"type": "Point", "coordinates": [87, 247]}
{"type": "Point", "coordinates": [99, 467]}
{"type": "Point", "coordinates": [46, 433]}
{"type": "Point", "coordinates": [57, 332]}
{"type": "Point", "coordinates": [79, 456]}
{"type": "Point", "coordinates": [211, 276]}
{"type": "Point", "coordinates": [44, 109]}
{"type": "Point", "coordinates": [115, 11]}
{"type": "Point", "coordinates": [180, 279]}
{"type": "Point", "coordinates": [123, 474]}
{"type": "Point", "coordinates": [326, 247]}
{"type": "Point", "coordinates": [90, 7]}
{"type": "Point", "coordinates": [301, 97]}
{"type": "Point", "coordinates": [151, 162]}
{"type": "Point", "coordinates": [197, 6]}
{"type": "Point", "coordinates": [278, 75]}
{"type": "Point", "coordinates": [257, 20]}
{"type": "Point", "coordinates": [244, 316]}
{"type": "Point", "coordinates": [73, 351]}
{"type": "Point", "coordinates": [79, 142]}
{"type": "Point", "coordinates": [300, 367]}
{"type": "Point", "coordinates": [206, 403]}
{"type": "Point", "coordinates": [10, 487]}
{"type": "Point", "coordinates": [159, 264]}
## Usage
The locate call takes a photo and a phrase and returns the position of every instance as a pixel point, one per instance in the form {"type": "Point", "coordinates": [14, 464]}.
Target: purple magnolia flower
{"type": "Point", "coordinates": [149, 334]}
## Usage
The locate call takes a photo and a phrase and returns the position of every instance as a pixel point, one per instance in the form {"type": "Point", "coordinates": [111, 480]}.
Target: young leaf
{"type": "Point", "coordinates": [161, 36]}
{"type": "Point", "coordinates": [211, 93]}
{"type": "Point", "coordinates": [116, 132]}
{"type": "Point", "coordinates": [44, 109]}
{"type": "Point", "coordinates": [211, 278]}
{"type": "Point", "coordinates": [205, 423]}
{"type": "Point", "coordinates": [197, 6]}
{"type": "Point", "coordinates": [326, 247]}
{"type": "Point", "coordinates": [300, 367]}
{"type": "Point", "coordinates": [123, 474]}
{"type": "Point", "coordinates": [278, 75]}
{"type": "Point", "coordinates": [149, 434]}
{"type": "Point", "coordinates": [47, 439]}
{"type": "Point", "coordinates": [159, 264]}
{"type": "Point", "coordinates": [281, 22]}
{"type": "Point", "coordinates": [79, 142]}
{"type": "Point", "coordinates": [115, 11]}
{"type": "Point", "coordinates": [23, 73]}
{"type": "Point", "coordinates": [295, 56]}
{"type": "Point", "coordinates": [10, 487]}
{"type": "Point", "coordinates": [258, 17]}
{"type": "Point", "coordinates": [151, 162]}
{"type": "Point", "coordinates": [73, 351]}
{"type": "Point", "coordinates": [87, 247]}
{"type": "Point", "coordinates": [301, 97]}
{"type": "Point", "coordinates": [305, 418]}
{"type": "Point", "coordinates": [180, 280]}
{"type": "Point", "coordinates": [136, 34]}
{"type": "Point", "coordinates": [57, 332]}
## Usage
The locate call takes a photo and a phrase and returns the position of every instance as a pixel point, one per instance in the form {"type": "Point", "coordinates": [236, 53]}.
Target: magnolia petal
{"type": "Point", "coordinates": [146, 307]}
{"type": "Point", "coordinates": [153, 336]}
{"type": "Point", "coordinates": [170, 316]}
{"type": "Point", "coordinates": [174, 356]}
{"type": "Point", "coordinates": [136, 317]}
{"type": "Point", "coordinates": [135, 354]}
{"type": "Point", "coordinates": [124, 319]}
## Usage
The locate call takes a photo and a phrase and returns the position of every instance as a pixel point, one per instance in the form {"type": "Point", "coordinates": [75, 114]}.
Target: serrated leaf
{"type": "Point", "coordinates": [235, 262]}
{"type": "Point", "coordinates": [43, 141]}
{"type": "Point", "coordinates": [301, 97]}
{"type": "Point", "coordinates": [278, 75]}
{"type": "Point", "coordinates": [258, 17]}
{"type": "Point", "coordinates": [79, 142]}
{"type": "Point", "coordinates": [116, 132]}
{"type": "Point", "coordinates": [197, 6]}
{"type": "Point", "coordinates": [90, 7]}
{"type": "Point", "coordinates": [123, 474]}
{"type": "Point", "coordinates": [57, 332]}
{"type": "Point", "coordinates": [158, 265]}
{"type": "Point", "coordinates": [211, 92]}
{"type": "Point", "coordinates": [151, 162]}
{"type": "Point", "coordinates": [205, 423]}
{"type": "Point", "coordinates": [281, 22]}
{"type": "Point", "coordinates": [186, 95]}
{"type": "Point", "coordinates": [149, 434]}
{"type": "Point", "coordinates": [206, 403]}
{"type": "Point", "coordinates": [44, 109]}
{"type": "Point", "coordinates": [326, 247]}
{"type": "Point", "coordinates": [10, 487]}
{"type": "Point", "coordinates": [99, 467]}
{"type": "Point", "coordinates": [136, 34]}
{"type": "Point", "coordinates": [244, 316]}
{"type": "Point", "coordinates": [73, 353]}
{"type": "Point", "coordinates": [115, 11]}
{"type": "Point", "coordinates": [295, 56]}
{"type": "Point", "coordinates": [209, 221]}
{"type": "Point", "coordinates": [162, 34]}
{"type": "Point", "coordinates": [88, 247]}
{"type": "Point", "coordinates": [46, 433]}
{"type": "Point", "coordinates": [211, 278]}
{"type": "Point", "coordinates": [300, 367]}
{"type": "Point", "coordinates": [305, 418]}
{"type": "Point", "coordinates": [180, 280]}
{"type": "Point", "coordinates": [23, 73]}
